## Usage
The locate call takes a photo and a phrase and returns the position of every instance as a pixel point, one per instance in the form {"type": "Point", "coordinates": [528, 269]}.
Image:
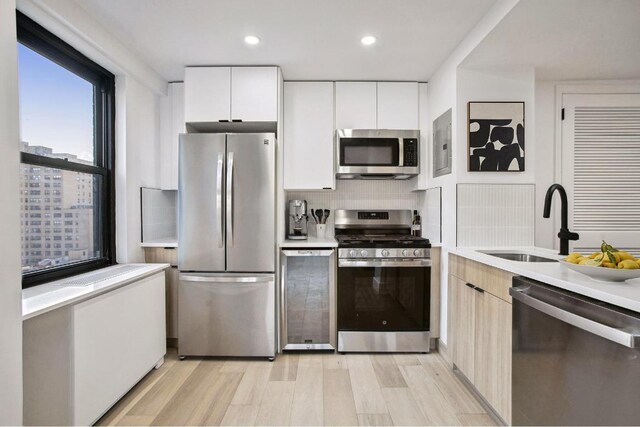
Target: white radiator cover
{"type": "Point", "coordinates": [81, 359]}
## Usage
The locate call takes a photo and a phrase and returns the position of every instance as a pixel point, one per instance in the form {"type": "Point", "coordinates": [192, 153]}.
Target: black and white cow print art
{"type": "Point", "coordinates": [496, 136]}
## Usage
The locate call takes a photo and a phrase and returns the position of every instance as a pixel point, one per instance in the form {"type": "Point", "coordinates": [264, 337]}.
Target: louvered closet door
{"type": "Point", "coordinates": [601, 169]}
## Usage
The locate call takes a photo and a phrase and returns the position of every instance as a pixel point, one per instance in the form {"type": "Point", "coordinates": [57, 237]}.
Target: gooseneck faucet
{"type": "Point", "coordinates": [565, 235]}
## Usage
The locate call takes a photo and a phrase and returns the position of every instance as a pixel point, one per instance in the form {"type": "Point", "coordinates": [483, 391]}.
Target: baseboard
{"type": "Point", "coordinates": [443, 350]}
{"type": "Point", "coordinates": [483, 402]}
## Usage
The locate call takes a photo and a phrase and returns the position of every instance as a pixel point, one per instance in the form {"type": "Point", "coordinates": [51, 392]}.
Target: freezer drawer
{"type": "Point", "coordinates": [226, 315]}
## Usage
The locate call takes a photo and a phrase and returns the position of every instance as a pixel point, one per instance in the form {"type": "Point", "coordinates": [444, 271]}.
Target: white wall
{"type": "Point", "coordinates": [442, 96]}
{"type": "Point", "coordinates": [137, 160]}
{"type": "Point", "coordinates": [138, 92]}
{"type": "Point", "coordinates": [10, 280]}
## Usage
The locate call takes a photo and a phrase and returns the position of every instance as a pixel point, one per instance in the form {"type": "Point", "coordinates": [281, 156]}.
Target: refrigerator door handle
{"type": "Point", "coordinates": [219, 198]}
{"type": "Point", "coordinates": [226, 279]}
{"type": "Point", "coordinates": [230, 199]}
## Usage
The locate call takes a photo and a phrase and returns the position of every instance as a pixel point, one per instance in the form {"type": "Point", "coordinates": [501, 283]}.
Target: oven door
{"type": "Point", "coordinates": [383, 296]}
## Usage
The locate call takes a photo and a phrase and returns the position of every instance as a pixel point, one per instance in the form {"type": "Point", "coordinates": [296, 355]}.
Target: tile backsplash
{"type": "Point", "coordinates": [159, 214]}
{"type": "Point", "coordinates": [358, 194]}
{"type": "Point", "coordinates": [496, 215]}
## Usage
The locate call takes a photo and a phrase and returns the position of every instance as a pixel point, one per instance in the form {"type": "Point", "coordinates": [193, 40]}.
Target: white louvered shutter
{"type": "Point", "coordinates": [601, 169]}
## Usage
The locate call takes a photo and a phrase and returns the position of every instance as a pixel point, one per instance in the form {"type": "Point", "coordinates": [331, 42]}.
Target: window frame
{"type": "Point", "coordinates": [43, 42]}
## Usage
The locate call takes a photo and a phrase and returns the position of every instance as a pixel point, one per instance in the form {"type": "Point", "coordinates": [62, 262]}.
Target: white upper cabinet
{"type": "Point", "coordinates": [254, 94]}
{"type": "Point", "coordinates": [172, 126]}
{"type": "Point", "coordinates": [207, 94]}
{"type": "Point", "coordinates": [356, 105]}
{"type": "Point", "coordinates": [397, 104]}
{"type": "Point", "coordinates": [308, 136]}
{"type": "Point", "coordinates": [425, 146]}
{"type": "Point", "coordinates": [221, 94]}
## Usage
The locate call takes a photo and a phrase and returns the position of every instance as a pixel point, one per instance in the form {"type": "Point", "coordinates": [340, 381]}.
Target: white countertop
{"type": "Point", "coordinates": [168, 242]}
{"type": "Point", "coordinates": [622, 294]}
{"type": "Point", "coordinates": [311, 242]}
{"type": "Point", "coordinates": [49, 296]}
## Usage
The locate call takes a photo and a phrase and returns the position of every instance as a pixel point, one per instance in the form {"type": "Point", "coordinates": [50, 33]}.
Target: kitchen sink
{"type": "Point", "coordinates": [518, 256]}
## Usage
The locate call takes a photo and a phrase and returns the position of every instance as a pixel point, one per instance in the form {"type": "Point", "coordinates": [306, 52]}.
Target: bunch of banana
{"type": "Point", "coordinates": [608, 257]}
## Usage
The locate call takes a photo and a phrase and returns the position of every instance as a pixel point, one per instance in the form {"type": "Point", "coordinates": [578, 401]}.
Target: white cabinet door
{"type": "Point", "coordinates": [254, 94]}
{"type": "Point", "coordinates": [117, 338]}
{"type": "Point", "coordinates": [308, 136]}
{"type": "Point", "coordinates": [397, 104]}
{"type": "Point", "coordinates": [424, 125]}
{"type": "Point", "coordinates": [171, 127]}
{"type": "Point", "coordinates": [355, 105]}
{"type": "Point", "coordinates": [207, 94]}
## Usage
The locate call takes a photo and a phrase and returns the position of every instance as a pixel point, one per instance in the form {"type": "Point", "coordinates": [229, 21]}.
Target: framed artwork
{"type": "Point", "coordinates": [496, 136]}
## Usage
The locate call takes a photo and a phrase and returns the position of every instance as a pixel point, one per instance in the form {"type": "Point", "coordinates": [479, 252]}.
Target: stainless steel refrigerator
{"type": "Point", "coordinates": [226, 245]}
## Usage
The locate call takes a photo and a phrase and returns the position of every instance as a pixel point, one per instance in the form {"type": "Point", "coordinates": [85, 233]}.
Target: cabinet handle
{"type": "Point", "coordinates": [479, 290]}
{"type": "Point", "coordinates": [470, 285]}
{"type": "Point", "coordinates": [236, 120]}
{"type": "Point", "coordinates": [223, 121]}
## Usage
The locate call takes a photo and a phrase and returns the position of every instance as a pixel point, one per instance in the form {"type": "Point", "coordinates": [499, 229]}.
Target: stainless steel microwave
{"type": "Point", "coordinates": [377, 153]}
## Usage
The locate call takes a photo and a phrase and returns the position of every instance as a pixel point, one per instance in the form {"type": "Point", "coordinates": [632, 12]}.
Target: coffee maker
{"type": "Point", "coordinates": [298, 219]}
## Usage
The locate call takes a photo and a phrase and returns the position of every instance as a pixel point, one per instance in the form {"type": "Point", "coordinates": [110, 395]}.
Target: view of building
{"type": "Point", "coordinates": [57, 212]}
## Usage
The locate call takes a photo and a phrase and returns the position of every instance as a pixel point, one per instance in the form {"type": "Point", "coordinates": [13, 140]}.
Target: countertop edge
{"type": "Point", "coordinates": [625, 295]}
{"type": "Point", "coordinates": [311, 242]}
{"type": "Point", "coordinates": [80, 297]}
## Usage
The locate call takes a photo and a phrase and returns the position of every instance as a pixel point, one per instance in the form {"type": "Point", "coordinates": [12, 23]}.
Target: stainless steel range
{"type": "Point", "coordinates": [383, 284]}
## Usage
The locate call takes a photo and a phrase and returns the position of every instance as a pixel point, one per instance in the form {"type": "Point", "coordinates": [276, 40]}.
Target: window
{"type": "Point", "coordinates": [66, 129]}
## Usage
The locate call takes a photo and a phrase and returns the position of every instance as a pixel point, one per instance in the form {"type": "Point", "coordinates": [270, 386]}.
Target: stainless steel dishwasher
{"type": "Point", "coordinates": [307, 299]}
{"type": "Point", "coordinates": [575, 360]}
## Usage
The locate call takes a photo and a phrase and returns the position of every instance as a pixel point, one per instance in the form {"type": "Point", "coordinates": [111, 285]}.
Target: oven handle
{"type": "Point", "coordinates": [384, 263]}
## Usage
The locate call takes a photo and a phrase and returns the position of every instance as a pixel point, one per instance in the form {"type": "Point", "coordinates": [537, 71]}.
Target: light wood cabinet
{"type": "Point", "coordinates": [463, 326]}
{"type": "Point", "coordinates": [168, 256]}
{"type": "Point", "coordinates": [480, 329]}
{"type": "Point", "coordinates": [223, 94]}
{"type": "Point", "coordinates": [356, 105]}
{"type": "Point", "coordinates": [397, 105]}
{"type": "Point", "coordinates": [493, 352]}
{"type": "Point", "coordinates": [308, 136]}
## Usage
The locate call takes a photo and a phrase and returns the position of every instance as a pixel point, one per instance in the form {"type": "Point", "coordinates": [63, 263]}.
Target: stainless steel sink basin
{"type": "Point", "coordinates": [518, 256]}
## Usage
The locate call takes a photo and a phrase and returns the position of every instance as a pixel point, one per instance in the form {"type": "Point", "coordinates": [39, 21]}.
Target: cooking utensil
{"type": "Point", "coordinates": [326, 215]}
{"type": "Point", "coordinates": [320, 215]}
{"type": "Point", "coordinates": [315, 218]}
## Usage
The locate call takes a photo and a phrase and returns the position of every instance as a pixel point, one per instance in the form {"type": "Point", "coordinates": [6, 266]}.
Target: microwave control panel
{"type": "Point", "coordinates": [410, 152]}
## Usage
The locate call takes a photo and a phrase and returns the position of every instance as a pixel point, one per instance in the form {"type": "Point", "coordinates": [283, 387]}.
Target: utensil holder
{"type": "Point", "coordinates": [321, 231]}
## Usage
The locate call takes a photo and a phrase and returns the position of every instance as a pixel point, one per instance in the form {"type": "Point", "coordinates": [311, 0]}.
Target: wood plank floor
{"type": "Point", "coordinates": [301, 389]}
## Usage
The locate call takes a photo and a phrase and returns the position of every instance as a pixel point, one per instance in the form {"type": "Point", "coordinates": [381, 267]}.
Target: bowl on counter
{"type": "Point", "coordinates": [603, 274]}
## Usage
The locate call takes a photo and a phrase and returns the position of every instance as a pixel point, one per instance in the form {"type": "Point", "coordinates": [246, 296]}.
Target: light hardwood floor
{"type": "Point", "coordinates": [301, 389]}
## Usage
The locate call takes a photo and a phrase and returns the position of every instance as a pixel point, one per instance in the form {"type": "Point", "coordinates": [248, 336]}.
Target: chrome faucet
{"type": "Point", "coordinates": [565, 235]}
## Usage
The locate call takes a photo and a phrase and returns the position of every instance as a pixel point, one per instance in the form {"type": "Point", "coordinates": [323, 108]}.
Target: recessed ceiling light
{"type": "Point", "coordinates": [251, 40]}
{"type": "Point", "coordinates": [368, 40]}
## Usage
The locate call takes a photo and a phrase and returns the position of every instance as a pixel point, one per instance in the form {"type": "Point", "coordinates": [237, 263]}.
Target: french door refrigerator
{"type": "Point", "coordinates": [226, 245]}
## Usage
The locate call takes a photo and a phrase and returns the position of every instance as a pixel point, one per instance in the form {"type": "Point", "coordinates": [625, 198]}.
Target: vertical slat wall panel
{"type": "Point", "coordinates": [607, 169]}
{"type": "Point", "coordinates": [496, 215]}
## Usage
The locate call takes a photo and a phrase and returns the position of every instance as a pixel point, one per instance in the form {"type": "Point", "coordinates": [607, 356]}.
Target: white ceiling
{"type": "Point", "coordinates": [309, 39]}
{"type": "Point", "coordinates": [566, 40]}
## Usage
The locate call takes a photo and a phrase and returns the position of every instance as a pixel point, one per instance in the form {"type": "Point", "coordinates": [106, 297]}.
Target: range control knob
{"type": "Point", "coordinates": [385, 252]}
{"type": "Point", "coordinates": [353, 253]}
{"type": "Point", "coordinates": [364, 253]}
{"type": "Point", "coordinates": [417, 252]}
{"type": "Point", "coordinates": [405, 252]}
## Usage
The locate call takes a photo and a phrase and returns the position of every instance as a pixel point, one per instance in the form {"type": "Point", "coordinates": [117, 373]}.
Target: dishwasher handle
{"type": "Point", "coordinates": [610, 333]}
